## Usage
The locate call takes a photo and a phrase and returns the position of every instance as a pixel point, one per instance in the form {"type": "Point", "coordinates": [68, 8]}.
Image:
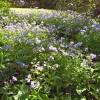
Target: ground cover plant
{"type": "Point", "coordinates": [49, 55]}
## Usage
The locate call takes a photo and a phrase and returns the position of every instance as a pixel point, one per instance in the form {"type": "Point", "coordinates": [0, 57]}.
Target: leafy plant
{"type": "Point", "coordinates": [4, 7]}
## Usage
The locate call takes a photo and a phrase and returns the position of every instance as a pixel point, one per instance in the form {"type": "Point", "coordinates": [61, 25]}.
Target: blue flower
{"type": "Point", "coordinates": [29, 42]}
{"type": "Point", "coordinates": [7, 47]}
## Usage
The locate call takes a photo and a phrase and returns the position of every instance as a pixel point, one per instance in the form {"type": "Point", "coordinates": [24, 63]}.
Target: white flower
{"type": "Point", "coordinates": [42, 48]}
{"type": "Point", "coordinates": [56, 65]}
{"type": "Point", "coordinates": [82, 32]}
{"type": "Point", "coordinates": [14, 78]}
{"type": "Point", "coordinates": [28, 79]}
{"type": "Point", "coordinates": [34, 84]}
{"type": "Point", "coordinates": [37, 41]}
{"type": "Point", "coordinates": [71, 43]}
{"type": "Point", "coordinates": [85, 49]}
{"type": "Point", "coordinates": [84, 63]}
{"type": "Point", "coordinates": [51, 58]}
{"type": "Point", "coordinates": [53, 48]}
{"type": "Point", "coordinates": [93, 25]}
{"type": "Point", "coordinates": [93, 56]}
{"type": "Point", "coordinates": [40, 68]}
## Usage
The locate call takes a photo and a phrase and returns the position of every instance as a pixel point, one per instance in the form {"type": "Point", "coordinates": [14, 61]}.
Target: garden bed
{"type": "Point", "coordinates": [48, 55]}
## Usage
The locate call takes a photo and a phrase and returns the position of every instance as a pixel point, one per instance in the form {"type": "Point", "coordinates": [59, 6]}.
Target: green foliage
{"type": "Point", "coordinates": [4, 7]}
{"type": "Point", "coordinates": [41, 67]}
{"type": "Point", "coordinates": [91, 39]}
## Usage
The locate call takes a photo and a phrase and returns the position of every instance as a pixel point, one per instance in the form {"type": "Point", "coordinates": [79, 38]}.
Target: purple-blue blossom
{"type": "Point", "coordinates": [7, 47]}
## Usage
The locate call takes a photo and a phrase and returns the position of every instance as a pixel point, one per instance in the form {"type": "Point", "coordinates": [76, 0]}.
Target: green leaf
{"type": "Point", "coordinates": [1, 58]}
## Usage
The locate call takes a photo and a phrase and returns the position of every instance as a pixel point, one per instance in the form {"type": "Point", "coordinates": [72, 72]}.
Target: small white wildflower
{"type": "Point", "coordinates": [40, 68]}
{"type": "Point", "coordinates": [93, 56]}
{"type": "Point", "coordinates": [29, 76]}
{"type": "Point", "coordinates": [86, 49]}
{"type": "Point", "coordinates": [14, 78]}
{"type": "Point", "coordinates": [44, 64]}
{"type": "Point", "coordinates": [42, 22]}
{"type": "Point", "coordinates": [82, 32]}
{"type": "Point", "coordinates": [52, 48]}
{"type": "Point", "coordinates": [51, 58]}
{"type": "Point", "coordinates": [56, 65]}
{"type": "Point", "coordinates": [93, 25]}
{"type": "Point", "coordinates": [37, 41]}
{"type": "Point", "coordinates": [42, 48]}
{"type": "Point", "coordinates": [28, 79]}
{"type": "Point", "coordinates": [71, 43]}
{"type": "Point", "coordinates": [35, 84]}
{"type": "Point", "coordinates": [84, 63]}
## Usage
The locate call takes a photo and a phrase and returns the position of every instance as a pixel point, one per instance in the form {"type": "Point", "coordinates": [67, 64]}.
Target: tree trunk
{"type": "Point", "coordinates": [97, 10]}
